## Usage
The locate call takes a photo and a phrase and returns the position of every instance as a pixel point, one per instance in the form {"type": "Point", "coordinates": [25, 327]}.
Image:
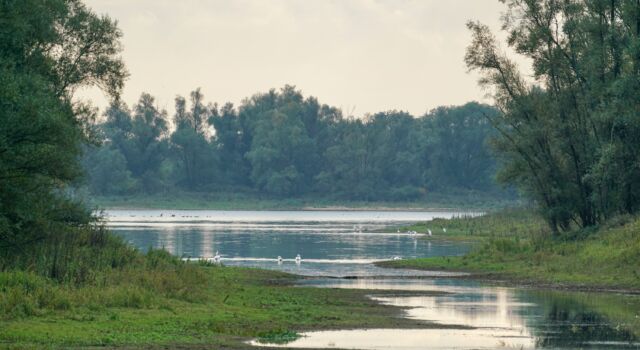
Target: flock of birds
{"type": "Point", "coordinates": [357, 228]}
{"type": "Point", "coordinates": [413, 233]}
{"type": "Point", "coordinates": [429, 232]}
{"type": "Point", "coordinates": [298, 259]}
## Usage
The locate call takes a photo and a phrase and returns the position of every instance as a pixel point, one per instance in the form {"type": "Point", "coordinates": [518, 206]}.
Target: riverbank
{"type": "Point", "coordinates": [515, 246]}
{"type": "Point", "coordinates": [250, 201]}
{"type": "Point", "coordinates": [165, 303]}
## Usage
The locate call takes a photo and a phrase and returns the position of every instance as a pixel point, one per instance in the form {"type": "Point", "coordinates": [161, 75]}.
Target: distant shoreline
{"type": "Point", "coordinates": [222, 201]}
{"type": "Point", "coordinates": [336, 208]}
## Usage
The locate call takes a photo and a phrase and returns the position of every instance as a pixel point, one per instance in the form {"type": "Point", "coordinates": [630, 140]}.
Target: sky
{"type": "Point", "coordinates": [363, 56]}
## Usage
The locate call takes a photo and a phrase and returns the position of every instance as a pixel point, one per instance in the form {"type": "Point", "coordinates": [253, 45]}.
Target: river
{"type": "Point", "coordinates": [468, 314]}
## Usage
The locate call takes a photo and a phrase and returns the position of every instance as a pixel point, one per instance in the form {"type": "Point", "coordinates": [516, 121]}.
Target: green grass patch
{"type": "Point", "coordinates": [170, 303]}
{"type": "Point", "coordinates": [517, 245]}
{"type": "Point", "coordinates": [508, 222]}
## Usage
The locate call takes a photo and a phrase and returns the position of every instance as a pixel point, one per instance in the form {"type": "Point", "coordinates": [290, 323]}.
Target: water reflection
{"type": "Point", "coordinates": [482, 317]}
{"type": "Point", "coordinates": [411, 339]}
{"type": "Point", "coordinates": [570, 318]}
{"type": "Point", "coordinates": [329, 244]}
{"type": "Point", "coordinates": [500, 318]}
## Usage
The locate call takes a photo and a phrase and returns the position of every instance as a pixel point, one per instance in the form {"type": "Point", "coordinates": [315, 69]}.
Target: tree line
{"type": "Point", "coordinates": [280, 143]}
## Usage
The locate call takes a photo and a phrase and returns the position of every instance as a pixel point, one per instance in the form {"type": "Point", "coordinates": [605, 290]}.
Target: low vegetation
{"type": "Point", "coordinates": [507, 222]}
{"type": "Point", "coordinates": [516, 244]}
{"type": "Point", "coordinates": [131, 299]}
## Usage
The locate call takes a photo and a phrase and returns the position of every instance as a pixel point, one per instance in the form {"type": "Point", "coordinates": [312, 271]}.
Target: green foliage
{"type": "Point", "coordinates": [196, 159]}
{"type": "Point", "coordinates": [278, 336]}
{"type": "Point", "coordinates": [161, 301]}
{"type": "Point", "coordinates": [103, 272]}
{"type": "Point", "coordinates": [280, 144]}
{"type": "Point", "coordinates": [278, 154]}
{"type": "Point", "coordinates": [457, 152]}
{"type": "Point", "coordinates": [568, 139]}
{"type": "Point", "coordinates": [107, 171]}
{"type": "Point", "coordinates": [48, 50]}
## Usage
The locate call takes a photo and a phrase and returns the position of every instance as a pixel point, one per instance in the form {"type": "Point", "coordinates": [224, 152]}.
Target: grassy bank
{"type": "Point", "coordinates": [163, 302]}
{"type": "Point", "coordinates": [516, 245]}
{"type": "Point", "coordinates": [505, 223]}
{"type": "Point", "coordinates": [255, 201]}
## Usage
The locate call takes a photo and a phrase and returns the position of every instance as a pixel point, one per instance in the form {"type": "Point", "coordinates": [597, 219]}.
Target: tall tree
{"type": "Point", "coordinates": [48, 50]}
{"type": "Point", "coordinates": [232, 145]}
{"type": "Point", "coordinates": [146, 146]}
{"type": "Point", "coordinates": [190, 142]}
{"type": "Point", "coordinates": [567, 136]}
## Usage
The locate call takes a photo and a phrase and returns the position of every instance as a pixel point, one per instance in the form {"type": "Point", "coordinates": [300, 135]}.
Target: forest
{"type": "Point", "coordinates": [281, 144]}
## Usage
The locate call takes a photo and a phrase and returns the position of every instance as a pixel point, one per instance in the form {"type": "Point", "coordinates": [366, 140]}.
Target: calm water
{"type": "Point", "coordinates": [468, 315]}
{"type": "Point", "coordinates": [331, 243]}
{"type": "Point", "coordinates": [473, 316]}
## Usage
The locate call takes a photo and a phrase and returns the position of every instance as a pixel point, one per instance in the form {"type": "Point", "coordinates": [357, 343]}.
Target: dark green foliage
{"type": "Point", "coordinates": [456, 150]}
{"type": "Point", "coordinates": [107, 171]}
{"type": "Point", "coordinates": [278, 336]}
{"type": "Point", "coordinates": [47, 50]}
{"type": "Point", "coordinates": [196, 159]}
{"type": "Point", "coordinates": [138, 141]}
{"type": "Point", "coordinates": [569, 138]}
{"type": "Point", "coordinates": [280, 144]}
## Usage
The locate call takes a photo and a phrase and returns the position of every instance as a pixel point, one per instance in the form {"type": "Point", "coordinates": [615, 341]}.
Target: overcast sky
{"type": "Point", "coordinates": [363, 56]}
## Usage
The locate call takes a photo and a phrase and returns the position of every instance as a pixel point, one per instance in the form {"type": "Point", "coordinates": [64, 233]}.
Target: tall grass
{"type": "Point", "coordinates": [74, 255]}
{"type": "Point", "coordinates": [90, 267]}
{"type": "Point", "coordinates": [149, 284]}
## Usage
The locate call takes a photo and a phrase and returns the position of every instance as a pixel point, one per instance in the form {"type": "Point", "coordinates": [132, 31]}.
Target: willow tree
{"type": "Point", "coordinates": [48, 49]}
{"type": "Point", "coordinates": [569, 134]}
